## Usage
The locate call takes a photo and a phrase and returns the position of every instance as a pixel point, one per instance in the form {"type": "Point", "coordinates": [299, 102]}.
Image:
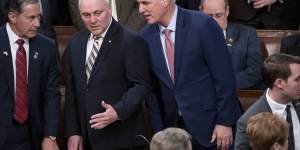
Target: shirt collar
{"type": "Point", "coordinates": [172, 24]}
{"type": "Point", "coordinates": [274, 105]}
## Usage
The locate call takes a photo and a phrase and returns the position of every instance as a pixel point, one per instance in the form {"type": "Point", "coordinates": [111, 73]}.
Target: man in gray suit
{"type": "Point", "coordinates": [281, 74]}
{"type": "Point", "coordinates": [126, 13]}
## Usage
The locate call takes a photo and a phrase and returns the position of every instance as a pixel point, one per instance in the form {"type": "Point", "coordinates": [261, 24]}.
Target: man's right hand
{"type": "Point", "coordinates": [75, 142]}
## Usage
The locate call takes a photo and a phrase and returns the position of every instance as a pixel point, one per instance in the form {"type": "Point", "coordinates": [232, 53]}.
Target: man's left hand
{"type": "Point", "coordinates": [101, 120]}
{"type": "Point", "coordinates": [223, 135]}
{"type": "Point", "coordinates": [49, 144]}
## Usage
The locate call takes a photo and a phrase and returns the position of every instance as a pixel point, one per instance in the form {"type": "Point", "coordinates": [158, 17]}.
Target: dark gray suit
{"type": "Point", "coordinates": [127, 12]}
{"type": "Point", "coordinates": [244, 47]}
{"type": "Point", "coordinates": [291, 45]}
{"type": "Point", "coordinates": [241, 139]}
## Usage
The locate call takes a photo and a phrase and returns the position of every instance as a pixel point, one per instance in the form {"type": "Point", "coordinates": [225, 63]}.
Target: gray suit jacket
{"type": "Point", "coordinates": [127, 11]}
{"type": "Point", "coordinates": [242, 141]}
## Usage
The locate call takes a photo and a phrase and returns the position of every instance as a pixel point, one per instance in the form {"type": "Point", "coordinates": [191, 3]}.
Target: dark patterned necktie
{"type": "Point", "coordinates": [291, 131]}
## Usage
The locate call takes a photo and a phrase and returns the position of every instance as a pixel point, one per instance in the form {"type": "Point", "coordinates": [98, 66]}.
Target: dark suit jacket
{"type": "Point", "coordinates": [43, 90]}
{"type": "Point", "coordinates": [291, 45]}
{"type": "Point", "coordinates": [204, 89]}
{"type": "Point", "coordinates": [120, 76]}
{"type": "Point", "coordinates": [127, 12]}
{"type": "Point", "coordinates": [244, 47]}
{"type": "Point", "coordinates": [241, 10]}
{"type": "Point", "coordinates": [242, 141]}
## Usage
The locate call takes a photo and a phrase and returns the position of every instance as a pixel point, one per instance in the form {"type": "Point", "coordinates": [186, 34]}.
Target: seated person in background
{"type": "Point", "coordinates": [242, 42]}
{"type": "Point", "coordinates": [291, 45]}
{"type": "Point", "coordinates": [171, 139]}
{"type": "Point", "coordinates": [266, 14]}
{"type": "Point", "coordinates": [268, 132]}
{"type": "Point", "coordinates": [281, 73]}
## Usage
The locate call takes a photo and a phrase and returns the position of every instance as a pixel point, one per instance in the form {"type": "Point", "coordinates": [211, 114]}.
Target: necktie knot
{"type": "Point", "coordinates": [167, 32]}
{"type": "Point", "coordinates": [20, 42]}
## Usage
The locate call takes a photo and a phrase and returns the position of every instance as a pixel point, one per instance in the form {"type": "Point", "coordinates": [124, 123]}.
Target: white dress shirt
{"type": "Point", "coordinates": [279, 109]}
{"type": "Point", "coordinates": [13, 37]}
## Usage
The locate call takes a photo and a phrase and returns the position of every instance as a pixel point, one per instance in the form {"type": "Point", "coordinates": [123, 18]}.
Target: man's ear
{"type": "Point", "coordinates": [12, 17]}
{"type": "Point", "coordinates": [279, 83]}
{"type": "Point", "coordinates": [276, 146]}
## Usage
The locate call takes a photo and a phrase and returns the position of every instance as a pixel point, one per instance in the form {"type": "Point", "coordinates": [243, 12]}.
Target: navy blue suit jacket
{"type": "Point", "coordinates": [244, 47]}
{"type": "Point", "coordinates": [204, 89]}
{"type": "Point", "coordinates": [43, 88]}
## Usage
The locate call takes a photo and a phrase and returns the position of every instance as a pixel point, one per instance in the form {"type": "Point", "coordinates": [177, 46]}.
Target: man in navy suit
{"type": "Point", "coordinates": [195, 76]}
{"type": "Point", "coordinates": [29, 96]}
{"type": "Point", "coordinates": [107, 78]}
{"type": "Point", "coordinates": [242, 42]}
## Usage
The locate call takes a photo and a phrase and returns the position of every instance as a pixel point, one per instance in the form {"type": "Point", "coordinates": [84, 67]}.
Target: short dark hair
{"type": "Point", "coordinates": [15, 6]}
{"type": "Point", "coordinates": [277, 66]}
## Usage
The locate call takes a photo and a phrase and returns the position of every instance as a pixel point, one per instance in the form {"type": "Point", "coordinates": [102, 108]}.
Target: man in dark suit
{"type": "Point", "coordinates": [126, 12]}
{"type": "Point", "coordinates": [29, 97]}
{"type": "Point", "coordinates": [48, 12]}
{"type": "Point", "coordinates": [197, 82]}
{"type": "Point", "coordinates": [266, 14]}
{"type": "Point", "coordinates": [281, 74]}
{"type": "Point", "coordinates": [291, 45]}
{"type": "Point", "coordinates": [107, 79]}
{"type": "Point", "coordinates": [242, 42]}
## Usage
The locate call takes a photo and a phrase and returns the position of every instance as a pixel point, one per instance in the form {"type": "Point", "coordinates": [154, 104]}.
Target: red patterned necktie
{"type": "Point", "coordinates": [21, 103]}
{"type": "Point", "coordinates": [169, 51]}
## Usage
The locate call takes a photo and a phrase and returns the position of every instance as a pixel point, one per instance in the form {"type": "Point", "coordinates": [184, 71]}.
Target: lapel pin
{"type": "Point", "coordinates": [109, 41]}
{"type": "Point", "coordinates": [36, 55]}
{"type": "Point", "coordinates": [230, 40]}
{"type": "Point", "coordinates": [229, 44]}
{"type": "Point", "coordinates": [5, 53]}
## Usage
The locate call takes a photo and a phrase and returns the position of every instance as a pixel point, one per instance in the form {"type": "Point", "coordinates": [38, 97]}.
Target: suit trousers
{"type": "Point", "coordinates": [195, 144]}
{"type": "Point", "coordinates": [18, 137]}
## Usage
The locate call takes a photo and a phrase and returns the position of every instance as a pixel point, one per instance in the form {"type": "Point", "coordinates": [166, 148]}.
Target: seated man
{"type": "Point", "coordinates": [291, 45]}
{"type": "Point", "coordinates": [171, 139]}
{"type": "Point", "coordinates": [268, 132]}
{"type": "Point", "coordinates": [242, 42]}
{"type": "Point", "coordinates": [281, 73]}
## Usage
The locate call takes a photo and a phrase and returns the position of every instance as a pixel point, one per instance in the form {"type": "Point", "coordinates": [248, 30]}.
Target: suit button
{"type": "Point", "coordinates": [87, 89]}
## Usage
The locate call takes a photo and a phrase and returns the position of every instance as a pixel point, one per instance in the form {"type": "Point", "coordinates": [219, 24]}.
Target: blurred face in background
{"type": "Point", "coordinates": [217, 10]}
{"type": "Point", "coordinates": [96, 15]}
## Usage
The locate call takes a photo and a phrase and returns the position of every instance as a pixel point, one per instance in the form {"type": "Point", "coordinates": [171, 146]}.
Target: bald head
{"type": "Point", "coordinates": [218, 9]}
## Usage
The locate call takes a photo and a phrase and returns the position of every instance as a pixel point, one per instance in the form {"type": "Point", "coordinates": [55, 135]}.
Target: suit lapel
{"type": "Point", "coordinates": [33, 66]}
{"type": "Point", "coordinates": [5, 53]}
{"type": "Point", "coordinates": [158, 59]}
{"type": "Point", "coordinates": [180, 37]}
{"type": "Point", "coordinates": [230, 37]}
{"type": "Point", "coordinates": [106, 45]}
{"type": "Point", "coordinates": [80, 54]}
{"type": "Point", "coordinates": [297, 108]}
